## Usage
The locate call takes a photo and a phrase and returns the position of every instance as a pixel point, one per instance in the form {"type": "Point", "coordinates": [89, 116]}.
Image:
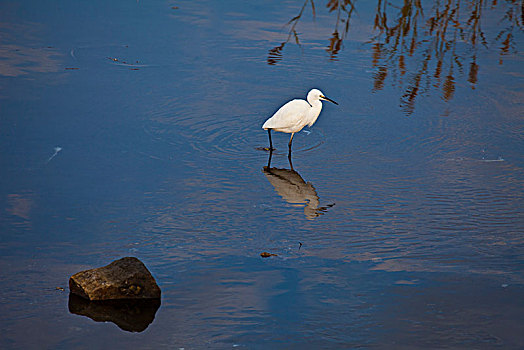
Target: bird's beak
{"type": "Point", "coordinates": [327, 99]}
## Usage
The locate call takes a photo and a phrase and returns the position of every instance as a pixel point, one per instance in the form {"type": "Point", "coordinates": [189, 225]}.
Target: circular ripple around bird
{"type": "Point", "coordinates": [231, 136]}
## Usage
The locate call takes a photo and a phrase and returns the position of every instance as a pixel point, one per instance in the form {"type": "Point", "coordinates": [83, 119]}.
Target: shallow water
{"type": "Point", "coordinates": [134, 129]}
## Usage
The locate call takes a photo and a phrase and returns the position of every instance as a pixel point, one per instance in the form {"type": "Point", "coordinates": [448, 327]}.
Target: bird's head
{"type": "Point", "coordinates": [316, 94]}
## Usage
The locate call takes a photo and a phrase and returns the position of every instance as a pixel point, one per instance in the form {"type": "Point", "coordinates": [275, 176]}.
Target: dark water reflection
{"type": "Point", "coordinates": [128, 315]}
{"type": "Point", "coordinates": [422, 45]}
{"type": "Point", "coordinates": [293, 189]}
{"type": "Point", "coordinates": [155, 155]}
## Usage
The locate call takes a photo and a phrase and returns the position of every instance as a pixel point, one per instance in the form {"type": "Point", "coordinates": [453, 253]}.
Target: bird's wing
{"type": "Point", "coordinates": [290, 115]}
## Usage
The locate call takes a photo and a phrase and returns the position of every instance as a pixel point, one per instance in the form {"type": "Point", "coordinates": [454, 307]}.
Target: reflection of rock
{"type": "Point", "coordinates": [129, 315]}
{"type": "Point", "coordinates": [294, 190]}
{"type": "Point", "coordinates": [127, 278]}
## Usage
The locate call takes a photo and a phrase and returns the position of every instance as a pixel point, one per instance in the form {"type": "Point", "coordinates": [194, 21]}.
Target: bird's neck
{"type": "Point", "coordinates": [316, 107]}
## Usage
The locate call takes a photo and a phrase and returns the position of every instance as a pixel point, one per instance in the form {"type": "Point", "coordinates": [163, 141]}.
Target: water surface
{"type": "Point", "coordinates": [134, 128]}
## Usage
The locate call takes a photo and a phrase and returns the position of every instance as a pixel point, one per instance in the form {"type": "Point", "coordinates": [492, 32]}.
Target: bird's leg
{"type": "Point", "coordinates": [270, 143]}
{"type": "Point", "coordinates": [289, 144]}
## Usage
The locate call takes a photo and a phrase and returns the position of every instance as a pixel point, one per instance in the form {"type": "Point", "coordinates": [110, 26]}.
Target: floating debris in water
{"type": "Point", "coordinates": [499, 159]}
{"type": "Point", "coordinates": [267, 255]}
{"type": "Point", "coordinates": [57, 149]}
{"type": "Point", "coordinates": [60, 289]}
{"type": "Point", "coordinates": [407, 282]}
{"type": "Point", "coordinates": [485, 160]}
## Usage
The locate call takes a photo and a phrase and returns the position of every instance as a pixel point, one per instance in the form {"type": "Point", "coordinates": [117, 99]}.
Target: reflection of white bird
{"type": "Point", "coordinates": [294, 190]}
{"type": "Point", "coordinates": [296, 114]}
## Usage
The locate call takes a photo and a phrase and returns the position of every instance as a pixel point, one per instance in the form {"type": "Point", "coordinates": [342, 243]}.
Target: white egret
{"type": "Point", "coordinates": [296, 114]}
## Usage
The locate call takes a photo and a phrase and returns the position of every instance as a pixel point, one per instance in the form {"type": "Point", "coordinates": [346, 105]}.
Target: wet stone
{"type": "Point", "coordinates": [126, 278]}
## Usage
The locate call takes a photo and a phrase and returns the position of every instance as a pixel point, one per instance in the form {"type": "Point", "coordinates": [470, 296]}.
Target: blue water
{"type": "Point", "coordinates": [133, 128]}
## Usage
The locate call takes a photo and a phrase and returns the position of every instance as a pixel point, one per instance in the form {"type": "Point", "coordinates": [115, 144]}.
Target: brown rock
{"type": "Point", "coordinates": [127, 278]}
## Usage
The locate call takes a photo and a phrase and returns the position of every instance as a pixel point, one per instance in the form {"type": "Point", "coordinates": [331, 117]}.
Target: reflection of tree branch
{"type": "Point", "coordinates": [515, 21]}
{"type": "Point", "coordinates": [414, 44]}
{"type": "Point", "coordinates": [275, 54]}
{"type": "Point", "coordinates": [399, 39]}
{"type": "Point", "coordinates": [335, 42]}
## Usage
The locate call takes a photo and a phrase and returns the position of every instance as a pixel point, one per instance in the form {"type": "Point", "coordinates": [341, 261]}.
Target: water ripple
{"type": "Point", "coordinates": [213, 135]}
